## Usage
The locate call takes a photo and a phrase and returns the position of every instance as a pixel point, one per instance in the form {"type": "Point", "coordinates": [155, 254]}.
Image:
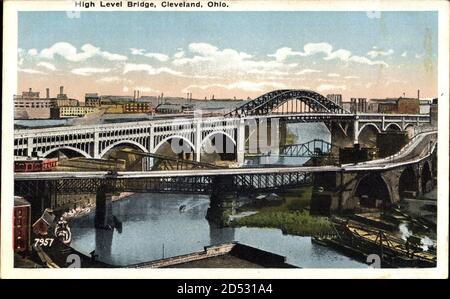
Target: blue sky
{"type": "Point", "coordinates": [404, 39]}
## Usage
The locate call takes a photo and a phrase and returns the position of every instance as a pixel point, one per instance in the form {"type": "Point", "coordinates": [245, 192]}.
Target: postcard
{"type": "Point", "coordinates": [225, 139]}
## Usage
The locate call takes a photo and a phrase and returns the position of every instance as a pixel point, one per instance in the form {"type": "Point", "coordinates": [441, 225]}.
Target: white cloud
{"type": "Point", "coordinates": [239, 85]}
{"type": "Point", "coordinates": [283, 53]}
{"type": "Point", "coordinates": [29, 71]}
{"type": "Point", "coordinates": [179, 54]}
{"type": "Point", "coordinates": [210, 60]}
{"type": "Point", "coordinates": [112, 56]}
{"type": "Point", "coordinates": [32, 52]}
{"type": "Point", "coordinates": [324, 87]}
{"type": "Point", "coordinates": [404, 54]}
{"type": "Point", "coordinates": [142, 52]}
{"type": "Point", "coordinates": [135, 51]}
{"type": "Point", "coordinates": [364, 60]}
{"type": "Point", "coordinates": [157, 56]}
{"type": "Point", "coordinates": [132, 67]}
{"type": "Point", "coordinates": [125, 89]}
{"type": "Point", "coordinates": [351, 77]}
{"type": "Point", "coordinates": [70, 53]}
{"type": "Point", "coordinates": [307, 71]}
{"type": "Point", "coordinates": [418, 55]}
{"type": "Point", "coordinates": [47, 65]}
{"type": "Point", "coordinates": [145, 89]}
{"type": "Point", "coordinates": [373, 54]}
{"type": "Point", "coordinates": [341, 54]}
{"type": "Point", "coordinates": [87, 71]}
{"type": "Point", "coordinates": [326, 49]}
{"type": "Point", "coordinates": [109, 80]}
{"type": "Point", "coordinates": [333, 75]}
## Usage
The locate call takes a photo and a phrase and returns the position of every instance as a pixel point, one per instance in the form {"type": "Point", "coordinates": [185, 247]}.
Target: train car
{"type": "Point", "coordinates": [21, 224]}
{"type": "Point", "coordinates": [35, 165]}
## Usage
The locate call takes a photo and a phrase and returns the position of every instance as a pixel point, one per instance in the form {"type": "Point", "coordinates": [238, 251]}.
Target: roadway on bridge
{"type": "Point", "coordinates": [419, 148]}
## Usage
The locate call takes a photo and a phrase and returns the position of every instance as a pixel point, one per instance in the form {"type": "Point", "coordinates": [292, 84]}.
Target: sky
{"type": "Point", "coordinates": [229, 54]}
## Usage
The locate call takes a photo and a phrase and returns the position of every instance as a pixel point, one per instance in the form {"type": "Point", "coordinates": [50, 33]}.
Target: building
{"type": "Point", "coordinates": [395, 105]}
{"type": "Point", "coordinates": [45, 223]}
{"type": "Point", "coordinates": [29, 105]}
{"type": "Point", "coordinates": [425, 106]}
{"type": "Point", "coordinates": [387, 106]}
{"type": "Point", "coordinates": [137, 107]}
{"type": "Point", "coordinates": [358, 105]}
{"type": "Point", "coordinates": [408, 106]}
{"type": "Point", "coordinates": [169, 108]}
{"type": "Point", "coordinates": [71, 111]}
{"type": "Point", "coordinates": [434, 112]}
{"type": "Point", "coordinates": [92, 100]}
{"type": "Point", "coordinates": [335, 98]}
{"type": "Point", "coordinates": [22, 224]}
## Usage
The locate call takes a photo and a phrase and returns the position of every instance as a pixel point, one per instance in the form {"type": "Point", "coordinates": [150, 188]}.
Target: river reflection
{"type": "Point", "coordinates": [154, 227]}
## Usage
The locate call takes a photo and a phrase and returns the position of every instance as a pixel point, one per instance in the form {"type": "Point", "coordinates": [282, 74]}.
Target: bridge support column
{"type": "Point", "coordinates": [30, 146]}
{"type": "Point", "coordinates": [240, 142]}
{"type": "Point", "coordinates": [198, 140]}
{"type": "Point", "coordinates": [96, 153]}
{"type": "Point", "coordinates": [103, 208]}
{"type": "Point", "coordinates": [356, 131]}
{"type": "Point", "coordinates": [222, 201]}
{"type": "Point", "coordinates": [150, 161]}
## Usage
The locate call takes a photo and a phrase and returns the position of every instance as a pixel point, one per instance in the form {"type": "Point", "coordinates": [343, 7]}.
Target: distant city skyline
{"type": "Point", "coordinates": [228, 54]}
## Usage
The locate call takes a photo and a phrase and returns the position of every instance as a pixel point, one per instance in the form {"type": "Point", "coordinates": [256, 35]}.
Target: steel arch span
{"type": "Point", "coordinates": [265, 103]}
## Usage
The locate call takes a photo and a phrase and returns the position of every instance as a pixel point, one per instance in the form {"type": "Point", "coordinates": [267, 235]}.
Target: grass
{"type": "Point", "coordinates": [290, 215]}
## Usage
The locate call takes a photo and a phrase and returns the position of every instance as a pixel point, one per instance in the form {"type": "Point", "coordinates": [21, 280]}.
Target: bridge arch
{"type": "Point", "coordinates": [408, 181]}
{"type": "Point", "coordinates": [226, 149]}
{"type": "Point", "coordinates": [369, 125]}
{"type": "Point", "coordinates": [393, 127]}
{"type": "Point", "coordinates": [367, 134]}
{"type": "Point", "coordinates": [373, 191]}
{"type": "Point", "coordinates": [66, 147]}
{"type": "Point", "coordinates": [122, 142]}
{"type": "Point", "coordinates": [186, 147]}
{"type": "Point", "coordinates": [267, 102]}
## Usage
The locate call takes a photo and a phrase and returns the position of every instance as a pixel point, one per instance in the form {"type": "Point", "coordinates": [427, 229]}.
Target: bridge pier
{"type": "Point", "coordinates": [222, 201]}
{"type": "Point", "coordinates": [240, 142]}
{"type": "Point", "coordinates": [96, 147]}
{"type": "Point", "coordinates": [103, 208]}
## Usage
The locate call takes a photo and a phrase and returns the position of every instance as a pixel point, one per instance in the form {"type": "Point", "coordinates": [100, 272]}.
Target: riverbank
{"type": "Point", "coordinates": [289, 213]}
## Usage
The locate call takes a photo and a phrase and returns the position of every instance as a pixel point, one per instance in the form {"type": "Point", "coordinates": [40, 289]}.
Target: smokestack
{"type": "Point", "coordinates": [418, 94]}
{"type": "Point", "coordinates": [61, 90]}
{"type": "Point", "coordinates": [134, 94]}
{"type": "Point", "coordinates": [48, 92]}
{"type": "Point", "coordinates": [138, 94]}
{"type": "Point", "coordinates": [29, 89]}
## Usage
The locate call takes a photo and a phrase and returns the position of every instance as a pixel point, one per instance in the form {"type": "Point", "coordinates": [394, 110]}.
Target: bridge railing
{"type": "Point", "coordinates": [406, 147]}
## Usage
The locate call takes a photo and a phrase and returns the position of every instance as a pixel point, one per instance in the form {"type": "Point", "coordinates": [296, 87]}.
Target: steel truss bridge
{"type": "Point", "coordinates": [309, 149]}
{"type": "Point", "coordinates": [162, 162]}
{"type": "Point", "coordinates": [306, 101]}
{"type": "Point", "coordinates": [193, 184]}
